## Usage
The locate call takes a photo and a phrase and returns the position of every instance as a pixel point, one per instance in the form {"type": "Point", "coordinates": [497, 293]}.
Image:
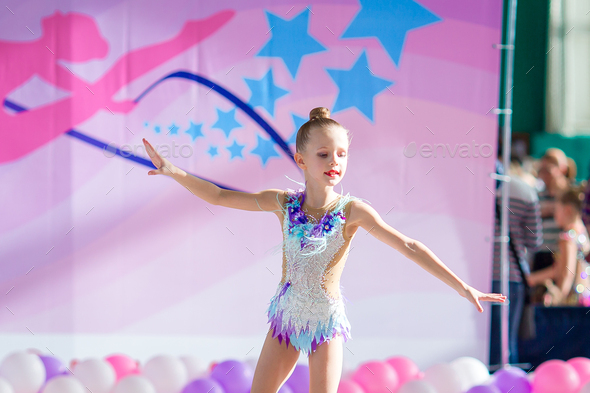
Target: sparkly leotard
{"type": "Point", "coordinates": [303, 312]}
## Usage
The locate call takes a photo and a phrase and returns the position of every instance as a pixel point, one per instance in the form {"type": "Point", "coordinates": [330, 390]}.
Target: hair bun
{"type": "Point", "coordinates": [319, 112]}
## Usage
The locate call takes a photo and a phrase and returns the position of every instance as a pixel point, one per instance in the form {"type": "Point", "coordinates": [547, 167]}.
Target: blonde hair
{"type": "Point", "coordinates": [566, 165]}
{"type": "Point", "coordinates": [318, 118]}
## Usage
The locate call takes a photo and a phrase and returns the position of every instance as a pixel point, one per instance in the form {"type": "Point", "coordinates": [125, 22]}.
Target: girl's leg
{"type": "Point", "coordinates": [325, 366]}
{"type": "Point", "coordinates": [275, 365]}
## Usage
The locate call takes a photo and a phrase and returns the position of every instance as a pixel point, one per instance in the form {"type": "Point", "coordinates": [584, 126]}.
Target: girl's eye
{"type": "Point", "coordinates": [325, 155]}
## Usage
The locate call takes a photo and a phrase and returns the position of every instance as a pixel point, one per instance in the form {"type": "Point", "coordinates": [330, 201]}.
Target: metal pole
{"type": "Point", "coordinates": [510, 27]}
{"type": "Point", "coordinates": [506, 149]}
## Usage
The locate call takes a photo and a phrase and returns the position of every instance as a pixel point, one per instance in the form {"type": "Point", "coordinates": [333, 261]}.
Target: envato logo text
{"type": "Point", "coordinates": [464, 150]}
{"type": "Point", "coordinates": [164, 150]}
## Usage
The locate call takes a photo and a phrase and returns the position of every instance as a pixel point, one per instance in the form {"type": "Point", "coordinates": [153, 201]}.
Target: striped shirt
{"type": "Point", "coordinates": [550, 228]}
{"type": "Point", "coordinates": [524, 221]}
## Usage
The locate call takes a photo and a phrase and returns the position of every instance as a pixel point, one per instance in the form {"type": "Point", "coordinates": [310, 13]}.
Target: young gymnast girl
{"type": "Point", "coordinates": [307, 310]}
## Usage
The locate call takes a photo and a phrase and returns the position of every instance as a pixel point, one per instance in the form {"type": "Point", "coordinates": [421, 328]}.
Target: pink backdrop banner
{"type": "Point", "coordinates": [89, 244]}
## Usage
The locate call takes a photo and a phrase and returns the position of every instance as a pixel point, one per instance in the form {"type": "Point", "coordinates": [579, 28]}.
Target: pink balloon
{"type": "Point", "coordinates": [556, 376]}
{"type": "Point", "coordinates": [349, 386]}
{"type": "Point", "coordinates": [123, 365]}
{"type": "Point", "coordinates": [405, 367]}
{"type": "Point", "coordinates": [376, 377]}
{"type": "Point", "coordinates": [582, 367]}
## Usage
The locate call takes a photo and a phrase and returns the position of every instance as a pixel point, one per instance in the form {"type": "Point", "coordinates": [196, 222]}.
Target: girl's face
{"type": "Point", "coordinates": [326, 152]}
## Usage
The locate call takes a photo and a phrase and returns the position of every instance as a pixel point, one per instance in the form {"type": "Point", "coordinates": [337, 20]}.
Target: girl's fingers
{"type": "Point", "coordinates": [478, 305]}
{"type": "Point", "coordinates": [148, 148]}
{"type": "Point", "coordinates": [493, 297]}
{"type": "Point", "coordinates": [156, 160]}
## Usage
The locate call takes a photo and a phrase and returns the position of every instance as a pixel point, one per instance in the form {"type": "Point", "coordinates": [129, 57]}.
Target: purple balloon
{"type": "Point", "coordinates": [53, 367]}
{"type": "Point", "coordinates": [484, 389]}
{"type": "Point", "coordinates": [511, 379]}
{"type": "Point", "coordinates": [203, 385]}
{"type": "Point", "coordinates": [234, 376]}
{"type": "Point", "coordinates": [299, 380]}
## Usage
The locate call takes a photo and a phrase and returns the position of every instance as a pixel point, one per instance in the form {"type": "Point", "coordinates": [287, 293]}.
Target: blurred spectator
{"type": "Point", "coordinates": [554, 170]}
{"type": "Point", "coordinates": [525, 228]}
{"type": "Point", "coordinates": [566, 281]}
{"type": "Point", "coordinates": [522, 168]}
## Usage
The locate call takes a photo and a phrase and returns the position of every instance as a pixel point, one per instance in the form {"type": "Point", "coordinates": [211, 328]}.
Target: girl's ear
{"type": "Point", "coordinates": [299, 160]}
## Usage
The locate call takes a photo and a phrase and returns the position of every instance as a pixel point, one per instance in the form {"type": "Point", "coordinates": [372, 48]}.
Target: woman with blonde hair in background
{"type": "Point", "coordinates": [555, 170]}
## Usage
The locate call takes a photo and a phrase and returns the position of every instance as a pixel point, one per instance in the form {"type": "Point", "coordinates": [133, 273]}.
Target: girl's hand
{"type": "Point", "coordinates": [553, 296]}
{"type": "Point", "coordinates": [474, 296]}
{"type": "Point", "coordinates": [164, 166]}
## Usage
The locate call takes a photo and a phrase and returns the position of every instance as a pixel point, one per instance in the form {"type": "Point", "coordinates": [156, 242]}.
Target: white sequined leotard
{"type": "Point", "coordinates": [303, 312]}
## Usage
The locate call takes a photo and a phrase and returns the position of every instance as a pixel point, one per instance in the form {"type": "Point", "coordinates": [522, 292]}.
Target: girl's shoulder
{"type": "Point", "coordinates": [576, 241]}
{"type": "Point", "coordinates": [572, 235]}
{"type": "Point", "coordinates": [293, 197]}
{"type": "Point", "coordinates": [567, 236]}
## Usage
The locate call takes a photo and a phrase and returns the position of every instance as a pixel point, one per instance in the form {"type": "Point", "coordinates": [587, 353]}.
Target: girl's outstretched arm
{"type": "Point", "coordinates": [267, 200]}
{"type": "Point", "coordinates": [365, 216]}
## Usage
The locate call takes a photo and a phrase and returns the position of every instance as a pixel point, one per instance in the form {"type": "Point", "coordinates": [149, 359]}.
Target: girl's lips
{"type": "Point", "coordinates": [332, 174]}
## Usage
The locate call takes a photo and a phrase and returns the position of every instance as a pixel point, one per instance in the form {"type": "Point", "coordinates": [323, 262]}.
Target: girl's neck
{"type": "Point", "coordinates": [574, 223]}
{"type": "Point", "coordinates": [318, 198]}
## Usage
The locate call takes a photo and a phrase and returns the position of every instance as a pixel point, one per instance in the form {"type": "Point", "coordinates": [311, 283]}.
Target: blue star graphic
{"type": "Point", "coordinates": [157, 129]}
{"type": "Point", "coordinates": [290, 40]}
{"type": "Point", "coordinates": [194, 130]}
{"type": "Point", "coordinates": [389, 21]}
{"type": "Point", "coordinates": [173, 129]}
{"type": "Point", "coordinates": [357, 87]}
{"type": "Point", "coordinates": [212, 151]}
{"type": "Point", "coordinates": [298, 121]}
{"type": "Point", "coordinates": [236, 150]}
{"type": "Point", "coordinates": [226, 121]}
{"type": "Point", "coordinates": [265, 149]}
{"type": "Point", "coordinates": [265, 92]}
{"type": "Point", "coordinates": [145, 124]}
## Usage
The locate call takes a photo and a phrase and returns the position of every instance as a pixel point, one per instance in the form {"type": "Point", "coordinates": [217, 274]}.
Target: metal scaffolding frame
{"type": "Point", "coordinates": [509, 26]}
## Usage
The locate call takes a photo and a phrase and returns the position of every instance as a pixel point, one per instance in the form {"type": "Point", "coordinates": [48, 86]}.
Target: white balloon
{"type": "Point", "coordinates": [444, 378]}
{"type": "Point", "coordinates": [96, 374]}
{"type": "Point", "coordinates": [417, 386]}
{"type": "Point", "coordinates": [472, 372]}
{"type": "Point", "coordinates": [24, 371]}
{"type": "Point", "coordinates": [5, 387]}
{"type": "Point", "coordinates": [585, 388]}
{"type": "Point", "coordinates": [64, 384]}
{"type": "Point", "coordinates": [134, 384]}
{"type": "Point", "coordinates": [167, 373]}
{"type": "Point", "coordinates": [197, 368]}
